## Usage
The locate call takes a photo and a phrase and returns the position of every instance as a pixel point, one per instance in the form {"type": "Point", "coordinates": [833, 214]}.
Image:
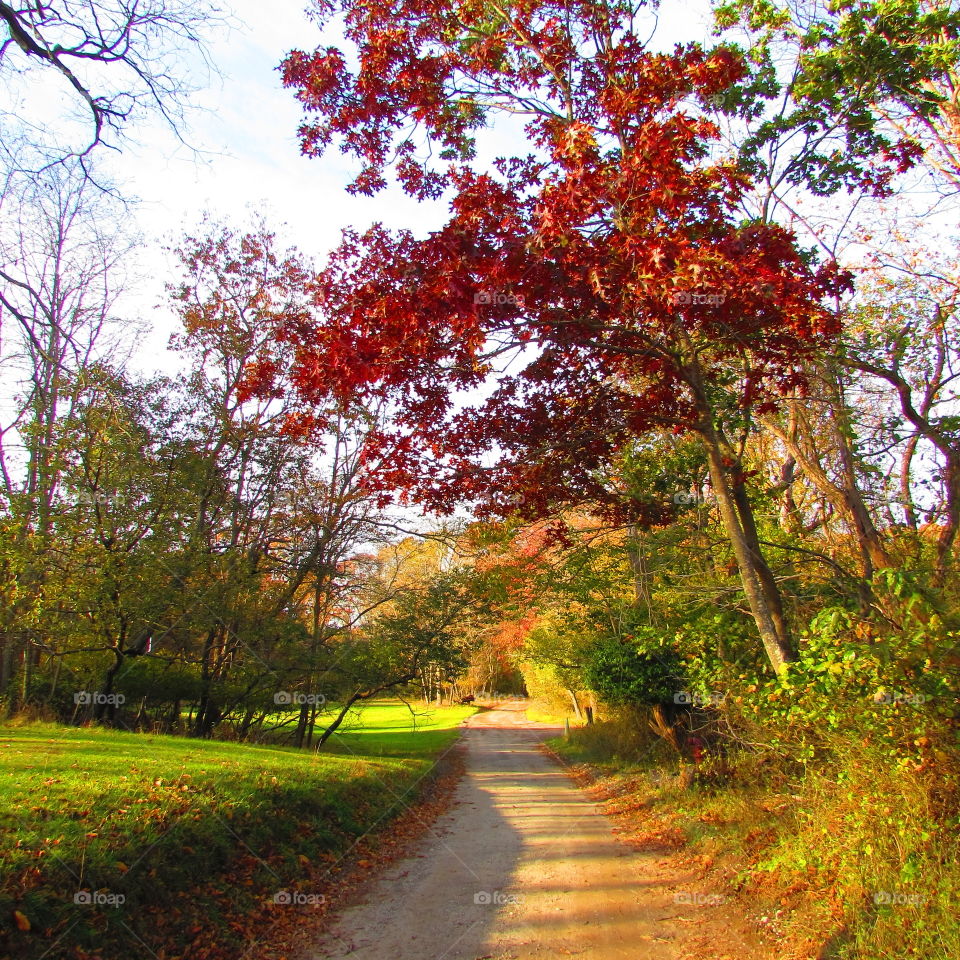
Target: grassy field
{"type": "Point", "coordinates": [115, 844]}
{"type": "Point", "coordinates": [389, 729]}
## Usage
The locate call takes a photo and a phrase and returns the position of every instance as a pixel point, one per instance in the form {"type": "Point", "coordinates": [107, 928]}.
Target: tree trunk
{"type": "Point", "coordinates": [846, 499]}
{"type": "Point", "coordinates": [6, 662]}
{"type": "Point", "coordinates": [302, 721]}
{"type": "Point", "coordinates": [641, 573]}
{"type": "Point", "coordinates": [948, 536]}
{"type": "Point", "coordinates": [906, 493]}
{"type": "Point", "coordinates": [201, 723]}
{"type": "Point", "coordinates": [768, 582]}
{"type": "Point", "coordinates": [103, 708]}
{"type": "Point", "coordinates": [770, 623]}
{"type": "Point", "coordinates": [243, 730]}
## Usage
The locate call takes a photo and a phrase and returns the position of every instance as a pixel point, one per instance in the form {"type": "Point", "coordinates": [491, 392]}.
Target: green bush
{"type": "Point", "coordinates": [624, 675]}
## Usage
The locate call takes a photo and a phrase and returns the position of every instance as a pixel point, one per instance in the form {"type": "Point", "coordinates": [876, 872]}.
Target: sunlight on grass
{"type": "Point", "coordinates": [154, 819]}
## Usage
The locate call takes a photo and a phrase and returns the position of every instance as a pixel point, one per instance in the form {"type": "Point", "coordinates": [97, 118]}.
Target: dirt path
{"type": "Point", "coordinates": [523, 866]}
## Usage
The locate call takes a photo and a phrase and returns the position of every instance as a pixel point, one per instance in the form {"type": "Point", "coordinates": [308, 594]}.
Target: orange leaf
{"type": "Point", "coordinates": [23, 924]}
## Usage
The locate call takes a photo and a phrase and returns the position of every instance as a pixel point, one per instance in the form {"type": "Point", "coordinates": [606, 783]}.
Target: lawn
{"type": "Point", "coordinates": [387, 728]}
{"type": "Point", "coordinates": [114, 844]}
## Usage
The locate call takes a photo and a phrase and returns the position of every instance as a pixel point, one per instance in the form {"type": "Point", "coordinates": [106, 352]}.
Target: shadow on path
{"type": "Point", "coordinates": [521, 866]}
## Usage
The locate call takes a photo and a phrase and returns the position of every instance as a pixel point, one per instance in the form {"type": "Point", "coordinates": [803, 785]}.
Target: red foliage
{"type": "Point", "coordinates": [608, 264]}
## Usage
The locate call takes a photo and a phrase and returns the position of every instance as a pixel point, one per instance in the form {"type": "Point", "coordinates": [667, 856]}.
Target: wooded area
{"type": "Point", "coordinates": [659, 426]}
{"type": "Point", "coordinates": [675, 386]}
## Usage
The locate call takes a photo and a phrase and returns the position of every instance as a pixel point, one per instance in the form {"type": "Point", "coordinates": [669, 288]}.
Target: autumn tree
{"type": "Point", "coordinates": [62, 271]}
{"type": "Point", "coordinates": [901, 340]}
{"type": "Point", "coordinates": [608, 261]}
{"type": "Point", "coordinates": [414, 626]}
{"type": "Point", "coordinates": [115, 591]}
{"type": "Point", "coordinates": [233, 290]}
{"type": "Point", "coordinates": [293, 488]}
{"type": "Point", "coordinates": [843, 100]}
{"type": "Point", "coordinates": [862, 91]}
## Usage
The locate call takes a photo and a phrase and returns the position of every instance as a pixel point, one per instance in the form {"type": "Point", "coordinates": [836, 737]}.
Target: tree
{"type": "Point", "coordinates": [114, 59]}
{"type": "Point", "coordinates": [291, 488]}
{"type": "Point", "coordinates": [867, 88]}
{"type": "Point", "coordinates": [118, 533]}
{"type": "Point", "coordinates": [609, 261]}
{"type": "Point", "coordinates": [61, 273]}
{"type": "Point", "coordinates": [903, 337]}
{"type": "Point", "coordinates": [623, 675]}
{"type": "Point", "coordinates": [848, 97]}
{"type": "Point", "coordinates": [418, 622]}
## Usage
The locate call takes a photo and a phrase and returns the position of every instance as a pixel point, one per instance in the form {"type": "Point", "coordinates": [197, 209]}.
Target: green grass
{"type": "Point", "coordinates": [187, 832]}
{"type": "Point", "coordinates": [384, 728]}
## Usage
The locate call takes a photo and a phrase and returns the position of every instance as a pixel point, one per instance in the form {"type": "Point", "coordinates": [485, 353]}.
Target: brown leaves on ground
{"type": "Point", "coordinates": [287, 932]}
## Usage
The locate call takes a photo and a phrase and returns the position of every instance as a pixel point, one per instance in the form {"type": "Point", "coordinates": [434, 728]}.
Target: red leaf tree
{"type": "Point", "coordinates": [596, 286]}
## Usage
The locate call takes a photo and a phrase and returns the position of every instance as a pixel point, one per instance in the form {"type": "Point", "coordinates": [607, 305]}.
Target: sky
{"type": "Point", "coordinates": [245, 156]}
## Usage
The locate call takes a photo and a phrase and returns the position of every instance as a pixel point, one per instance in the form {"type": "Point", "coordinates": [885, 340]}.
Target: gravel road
{"type": "Point", "coordinates": [522, 867]}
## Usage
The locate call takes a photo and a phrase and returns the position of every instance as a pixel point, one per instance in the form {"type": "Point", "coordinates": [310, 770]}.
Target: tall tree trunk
{"type": "Point", "coordinates": [906, 491]}
{"type": "Point", "coordinates": [768, 582]}
{"type": "Point", "coordinates": [759, 584]}
{"type": "Point", "coordinates": [6, 661]}
{"type": "Point", "coordinates": [641, 573]}
{"type": "Point", "coordinates": [769, 619]}
{"type": "Point", "coordinates": [302, 722]}
{"type": "Point", "coordinates": [868, 537]}
{"type": "Point", "coordinates": [201, 722]}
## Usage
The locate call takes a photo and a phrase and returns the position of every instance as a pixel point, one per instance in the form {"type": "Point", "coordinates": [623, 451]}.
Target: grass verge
{"type": "Point", "coordinates": [854, 860]}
